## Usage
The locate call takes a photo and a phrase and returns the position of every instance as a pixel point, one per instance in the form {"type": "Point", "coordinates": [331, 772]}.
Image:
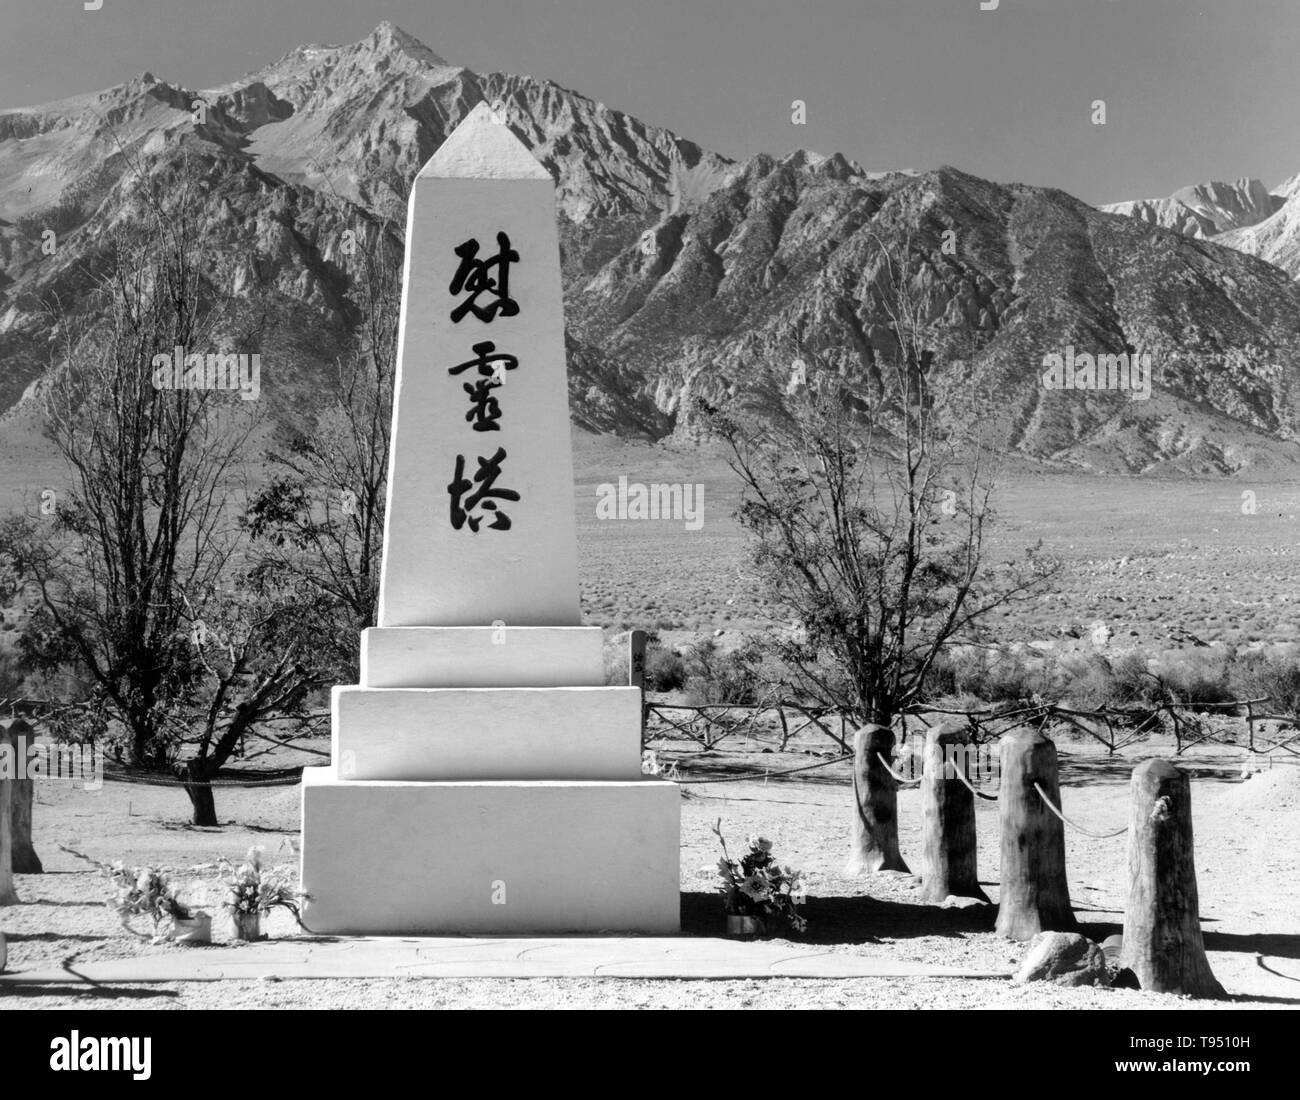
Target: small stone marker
{"type": "Point", "coordinates": [484, 779]}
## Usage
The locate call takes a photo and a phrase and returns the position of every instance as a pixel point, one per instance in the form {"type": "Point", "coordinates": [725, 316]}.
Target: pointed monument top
{"type": "Point", "coordinates": [482, 148]}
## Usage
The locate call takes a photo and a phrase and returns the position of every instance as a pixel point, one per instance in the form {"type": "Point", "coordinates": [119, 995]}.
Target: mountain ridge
{"type": "Point", "coordinates": [1244, 215]}
{"type": "Point", "coordinates": [685, 271]}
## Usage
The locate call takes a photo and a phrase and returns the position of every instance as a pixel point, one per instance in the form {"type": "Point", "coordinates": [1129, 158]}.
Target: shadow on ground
{"type": "Point", "coordinates": [65, 904]}
{"type": "Point", "coordinates": [839, 920]}
{"type": "Point", "coordinates": [1093, 771]}
{"type": "Point", "coordinates": [1270, 945]}
{"type": "Point", "coordinates": [84, 992]}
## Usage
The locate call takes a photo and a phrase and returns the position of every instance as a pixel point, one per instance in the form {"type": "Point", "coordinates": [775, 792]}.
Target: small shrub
{"type": "Point", "coordinates": [1008, 677]}
{"type": "Point", "coordinates": [1087, 682]}
{"type": "Point", "coordinates": [1132, 682]}
{"type": "Point", "coordinates": [716, 677]}
{"type": "Point", "coordinates": [1256, 675]}
{"type": "Point", "coordinates": [664, 669]}
{"type": "Point", "coordinates": [991, 676]}
{"type": "Point", "coordinates": [941, 679]}
{"type": "Point", "coordinates": [1198, 678]}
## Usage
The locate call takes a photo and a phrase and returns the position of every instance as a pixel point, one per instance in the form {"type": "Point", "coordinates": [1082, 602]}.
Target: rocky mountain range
{"type": "Point", "coordinates": [1243, 215]}
{"type": "Point", "coordinates": [687, 275]}
{"type": "Point", "coordinates": [1275, 239]}
{"type": "Point", "coordinates": [1207, 209]}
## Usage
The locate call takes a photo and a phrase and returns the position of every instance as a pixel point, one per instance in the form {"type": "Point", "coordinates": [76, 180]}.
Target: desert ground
{"type": "Point", "coordinates": [1247, 858]}
{"type": "Point", "coordinates": [1165, 564]}
{"type": "Point", "coordinates": [1161, 562]}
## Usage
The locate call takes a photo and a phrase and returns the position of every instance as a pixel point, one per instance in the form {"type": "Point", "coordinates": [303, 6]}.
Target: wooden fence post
{"type": "Point", "coordinates": [1034, 895]}
{"type": "Point", "coordinates": [874, 835]}
{"type": "Point", "coordinates": [636, 671]}
{"type": "Point", "coordinates": [1163, 946]}
{"type": "Point", "coordinates": [8, 768]}
{"type": "Point", "coordinates": [23, 854]}
{"type": "Point", "coordinates": [948, 849]}
{"type": "Point", "coordinates": [636, 659]}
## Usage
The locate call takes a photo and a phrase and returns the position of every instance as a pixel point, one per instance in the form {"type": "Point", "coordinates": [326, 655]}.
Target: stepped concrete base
{"type": "Point", "coordinates": [482, 656]}
{"type": "Point", "coordinates": [393, 858]}
{"type": "Point", "coordinates": [430, 734]}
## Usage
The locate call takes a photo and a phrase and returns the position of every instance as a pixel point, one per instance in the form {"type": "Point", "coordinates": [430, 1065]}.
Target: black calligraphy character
{"type": "Point", "coordinates": [484, 410]}
{"type": "Point", "coordinates": [473, 275]}
{"type": "Point", "coordinates": [489, 469]}
{"type": "Point", "coordinates": [490, 362]}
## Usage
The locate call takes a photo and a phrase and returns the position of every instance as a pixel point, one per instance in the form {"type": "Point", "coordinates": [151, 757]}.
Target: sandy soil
{"type": "Point", "coordinates": [1248, 862]}
{"type": "Point", "coordinates": [1154, 559]}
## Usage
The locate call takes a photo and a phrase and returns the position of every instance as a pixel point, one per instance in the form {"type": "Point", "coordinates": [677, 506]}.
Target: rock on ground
{"type": "Point", "coordinates": [1064, 958]}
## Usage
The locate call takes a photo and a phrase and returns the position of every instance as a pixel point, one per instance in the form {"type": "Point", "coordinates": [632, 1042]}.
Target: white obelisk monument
{"type": "Point", "coordinates": [484, 780]}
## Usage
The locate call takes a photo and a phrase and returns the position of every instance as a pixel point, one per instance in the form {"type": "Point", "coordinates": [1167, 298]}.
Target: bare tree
{"type": "Point", "coordinates": [145, 546]}
{"type": "Point", "coordinates": [320, 522]}
{"type": "Point", "coordinates": [870, 509]}
{"type": "Point", "coordinates": [258, 667]}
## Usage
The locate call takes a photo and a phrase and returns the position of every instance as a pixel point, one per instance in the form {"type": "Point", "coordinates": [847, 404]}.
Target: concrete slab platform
{"type": "Point", "coordinates": [494, 858]}
{"type": "Point", "coordinates": [488, 957]}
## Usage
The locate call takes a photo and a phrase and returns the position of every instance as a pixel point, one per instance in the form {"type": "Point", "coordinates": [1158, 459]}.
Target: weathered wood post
{"type": "Point", "coordinates": [25, 859]}
{"type": "Point", "coordinates": [1034, 896]}
{"type": "Point", "coordinates": [948, 848]}
{"type": "Point", "coordinates": [636, 659]}
{"type": "Point", "coordinates": [8, 769]}
{"type": "Point", "coordinates": [636, 669]}
{"type": "Point", "coordinates": [873, 843]}
{"type": "Point", "coordinates": [1163, 946]}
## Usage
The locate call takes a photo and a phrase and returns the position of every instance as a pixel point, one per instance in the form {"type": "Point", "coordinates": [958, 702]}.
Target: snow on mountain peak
{"type": "Point", "coordinates": [1204, 209]}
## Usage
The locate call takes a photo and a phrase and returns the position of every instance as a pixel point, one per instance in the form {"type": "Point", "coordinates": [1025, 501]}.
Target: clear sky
{"type": "Point", "coordinates": [1194, 89]}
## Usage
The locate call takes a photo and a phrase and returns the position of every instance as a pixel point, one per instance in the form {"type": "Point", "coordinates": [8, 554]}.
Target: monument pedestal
{"type": "Point", "coordinates": [487, 733]}
{"type": "Point", "coordinates": [482, 656]}
{"type": "Point", "coordinates": [489, 858]}
{"type": "Point", "coordinates": [484, 779]}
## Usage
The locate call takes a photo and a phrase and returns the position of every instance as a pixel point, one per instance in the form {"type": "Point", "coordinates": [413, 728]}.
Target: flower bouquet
{"type": "Point", "coordinates": [145, 891]}
{"type": "Point", "coordinates": [253, 891]}
{"type": "Point", "coordinates": [759, 894]}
